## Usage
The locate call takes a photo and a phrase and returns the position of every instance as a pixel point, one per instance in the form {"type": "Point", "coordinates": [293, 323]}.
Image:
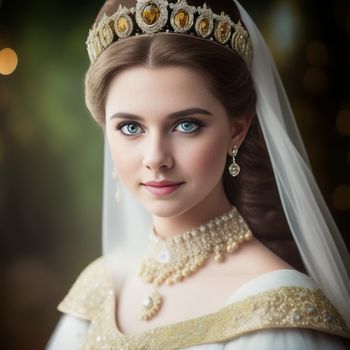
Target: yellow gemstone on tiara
{"type": "Point", "coordinates": [181, 19]}
{"type": "Point", "coordinates": [223, 32]}
{"type": "Point", "coordinates": [122, 24]}
{"type": "Point", "coordinates": [150, 14]}
{"type": "Point", "coordinates": [203, 27]}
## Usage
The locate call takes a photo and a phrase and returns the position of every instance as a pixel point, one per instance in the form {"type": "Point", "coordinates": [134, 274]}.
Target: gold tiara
{"type": "Point", "coordinates": [154, 16]}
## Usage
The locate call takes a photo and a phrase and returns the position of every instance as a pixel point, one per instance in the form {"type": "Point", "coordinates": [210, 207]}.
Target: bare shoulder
{"type": "Point", "coordinates": [250, 261]}
{"type": "Point", "coordinates": [255, 259]}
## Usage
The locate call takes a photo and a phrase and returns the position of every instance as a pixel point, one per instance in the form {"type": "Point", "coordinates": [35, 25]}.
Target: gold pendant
{"type": "Point", "coordinates": [151, 305]}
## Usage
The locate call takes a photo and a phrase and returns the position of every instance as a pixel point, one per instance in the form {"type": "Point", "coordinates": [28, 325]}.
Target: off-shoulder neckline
{"type": "Point", "coordinates": [230, 301]}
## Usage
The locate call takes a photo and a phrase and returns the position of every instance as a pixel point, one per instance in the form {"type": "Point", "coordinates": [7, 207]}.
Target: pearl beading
{"type": "Point", "coordinates": [171, 260]}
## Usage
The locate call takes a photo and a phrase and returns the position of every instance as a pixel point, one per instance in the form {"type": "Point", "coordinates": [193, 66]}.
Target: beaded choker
{"type": "Point", "coordinates": [153, 16]}
{"type": "Point", "coordinates": [171, 260]}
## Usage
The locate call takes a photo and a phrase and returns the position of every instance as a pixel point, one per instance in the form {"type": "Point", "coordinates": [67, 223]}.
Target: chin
{"type": "Point", "coordinates": [166, 208]}
{"type": "Point", "coordinates": [171, 207]}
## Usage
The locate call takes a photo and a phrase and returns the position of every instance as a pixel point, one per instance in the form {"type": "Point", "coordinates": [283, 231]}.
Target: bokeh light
{"type": "Point", "coordinates": [8, 61]}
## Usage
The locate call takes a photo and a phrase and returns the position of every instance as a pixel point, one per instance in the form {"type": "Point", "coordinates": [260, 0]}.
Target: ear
{"type": "Point", "coordinates": [239, 129]}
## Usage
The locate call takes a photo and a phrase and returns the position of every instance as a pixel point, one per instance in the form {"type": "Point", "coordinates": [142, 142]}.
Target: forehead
{"type": "Point", "coordinates": [163, 90]}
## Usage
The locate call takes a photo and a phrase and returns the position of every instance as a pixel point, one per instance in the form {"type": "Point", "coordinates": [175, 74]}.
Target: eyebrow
{"type": "Point", "coordinates": [173, 115]}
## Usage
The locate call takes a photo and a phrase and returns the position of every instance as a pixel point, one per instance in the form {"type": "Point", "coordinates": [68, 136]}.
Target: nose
{"type": "Point", "coordinates": [157, 153]}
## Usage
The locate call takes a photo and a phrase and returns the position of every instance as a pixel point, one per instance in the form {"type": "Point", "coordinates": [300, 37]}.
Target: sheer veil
{"type": "Point", "coordinates": [318, 239]}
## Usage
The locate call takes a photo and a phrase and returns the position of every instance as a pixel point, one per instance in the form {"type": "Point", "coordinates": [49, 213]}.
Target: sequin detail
{"type": "Point", "coordinates": [92, 298]}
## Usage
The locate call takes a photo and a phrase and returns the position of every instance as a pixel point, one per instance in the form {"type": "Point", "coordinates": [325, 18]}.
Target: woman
{"type": "Point", "coordinates": [178, 89]}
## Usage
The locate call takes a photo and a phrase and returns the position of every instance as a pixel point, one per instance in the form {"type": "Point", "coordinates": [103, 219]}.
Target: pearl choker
{"type": "Point", "coordinates": [171, 260]}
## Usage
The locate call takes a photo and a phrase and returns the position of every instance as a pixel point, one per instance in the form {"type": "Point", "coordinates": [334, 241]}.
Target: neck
{"type": "Point", "coordinates": [214, 205]}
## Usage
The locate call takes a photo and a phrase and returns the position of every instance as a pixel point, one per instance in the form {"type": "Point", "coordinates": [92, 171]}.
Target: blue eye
{"type": "Point", "coordinates": [187, 126]}
{"type": "Point", "coordinates": [129, 128]}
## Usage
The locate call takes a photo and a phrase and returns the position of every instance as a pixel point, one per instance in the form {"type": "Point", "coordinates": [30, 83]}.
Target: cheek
{"type": "Point", "coordinates": [208, 158]}
{"type": "Point", "coordinates": [122, 160]}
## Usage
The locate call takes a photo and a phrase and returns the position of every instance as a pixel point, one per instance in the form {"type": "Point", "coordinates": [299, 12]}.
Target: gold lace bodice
{"type": "Point", "coordinates": [92, 298]}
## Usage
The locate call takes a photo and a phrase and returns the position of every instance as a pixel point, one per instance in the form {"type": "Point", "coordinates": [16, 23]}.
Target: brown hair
{"type": "Point", "coordinates": [254, 191]}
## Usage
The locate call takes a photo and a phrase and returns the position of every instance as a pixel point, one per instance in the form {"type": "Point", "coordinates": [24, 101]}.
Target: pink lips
{"type": "Point", "coordinates": [161, 188]}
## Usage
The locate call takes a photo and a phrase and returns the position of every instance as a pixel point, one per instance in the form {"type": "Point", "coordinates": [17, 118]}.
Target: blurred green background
{"type": "Point", "coordinates": [51, 149]}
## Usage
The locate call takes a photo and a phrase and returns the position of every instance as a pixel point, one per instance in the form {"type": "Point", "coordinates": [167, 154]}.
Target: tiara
{"type": "Point", "coordinates": [154, 16]}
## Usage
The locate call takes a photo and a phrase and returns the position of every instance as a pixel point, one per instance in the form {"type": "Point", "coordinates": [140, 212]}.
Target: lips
{"type": "Point", "coordinates": [161, 188]}
{"type": "Point", "coordinates": [161, 183]}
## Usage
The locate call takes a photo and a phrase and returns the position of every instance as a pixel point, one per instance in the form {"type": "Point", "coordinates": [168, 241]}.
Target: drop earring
{"type": "Point", "coordinates": [117, 194]}
{"type": "Point", "coordinates": [234, 168]}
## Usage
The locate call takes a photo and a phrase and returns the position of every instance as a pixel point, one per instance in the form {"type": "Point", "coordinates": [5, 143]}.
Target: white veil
{"type": "Point", "coordinates": [126, 224]}
{"type": "Point", "coordinates": [318, 239]}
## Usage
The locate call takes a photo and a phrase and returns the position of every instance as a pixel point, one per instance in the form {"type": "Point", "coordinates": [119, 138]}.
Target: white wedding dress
{"type": "Point", "coordinates": [84, 327]}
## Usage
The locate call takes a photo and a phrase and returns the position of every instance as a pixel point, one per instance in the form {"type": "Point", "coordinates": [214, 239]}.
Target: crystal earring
{"type": "Point", "coordinates": [234, 168]}
{"type": "Point", "coordinates": [117, 195]}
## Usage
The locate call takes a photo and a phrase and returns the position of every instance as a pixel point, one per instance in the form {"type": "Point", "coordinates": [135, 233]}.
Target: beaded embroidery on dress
{"type": "Point", "coordinates": [92, 298]}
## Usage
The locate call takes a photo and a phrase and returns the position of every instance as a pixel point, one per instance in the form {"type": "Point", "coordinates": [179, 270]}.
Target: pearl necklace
{"type": "Point", "coordinates": [169, 261]}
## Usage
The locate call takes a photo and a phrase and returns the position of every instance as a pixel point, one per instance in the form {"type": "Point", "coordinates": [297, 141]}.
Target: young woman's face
{"type": "Point", "coordinates": [165, 125]}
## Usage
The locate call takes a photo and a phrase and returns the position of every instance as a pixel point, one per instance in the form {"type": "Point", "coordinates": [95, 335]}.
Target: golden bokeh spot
{"type": "Point", "coordinates": [343, 122]}
{"type": "Point", "coordinates": [181, 19]}
{"type": "Point", "coordinates": [150, 14]}
{"type": "Point", "coordinates": [8, 61]}
{"type": "Point", "coordinates": [203, 26]}
{"type": "Point", "coordinates": [122, 24]}
{"type": "Point", "coordinates": [341, 197]}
